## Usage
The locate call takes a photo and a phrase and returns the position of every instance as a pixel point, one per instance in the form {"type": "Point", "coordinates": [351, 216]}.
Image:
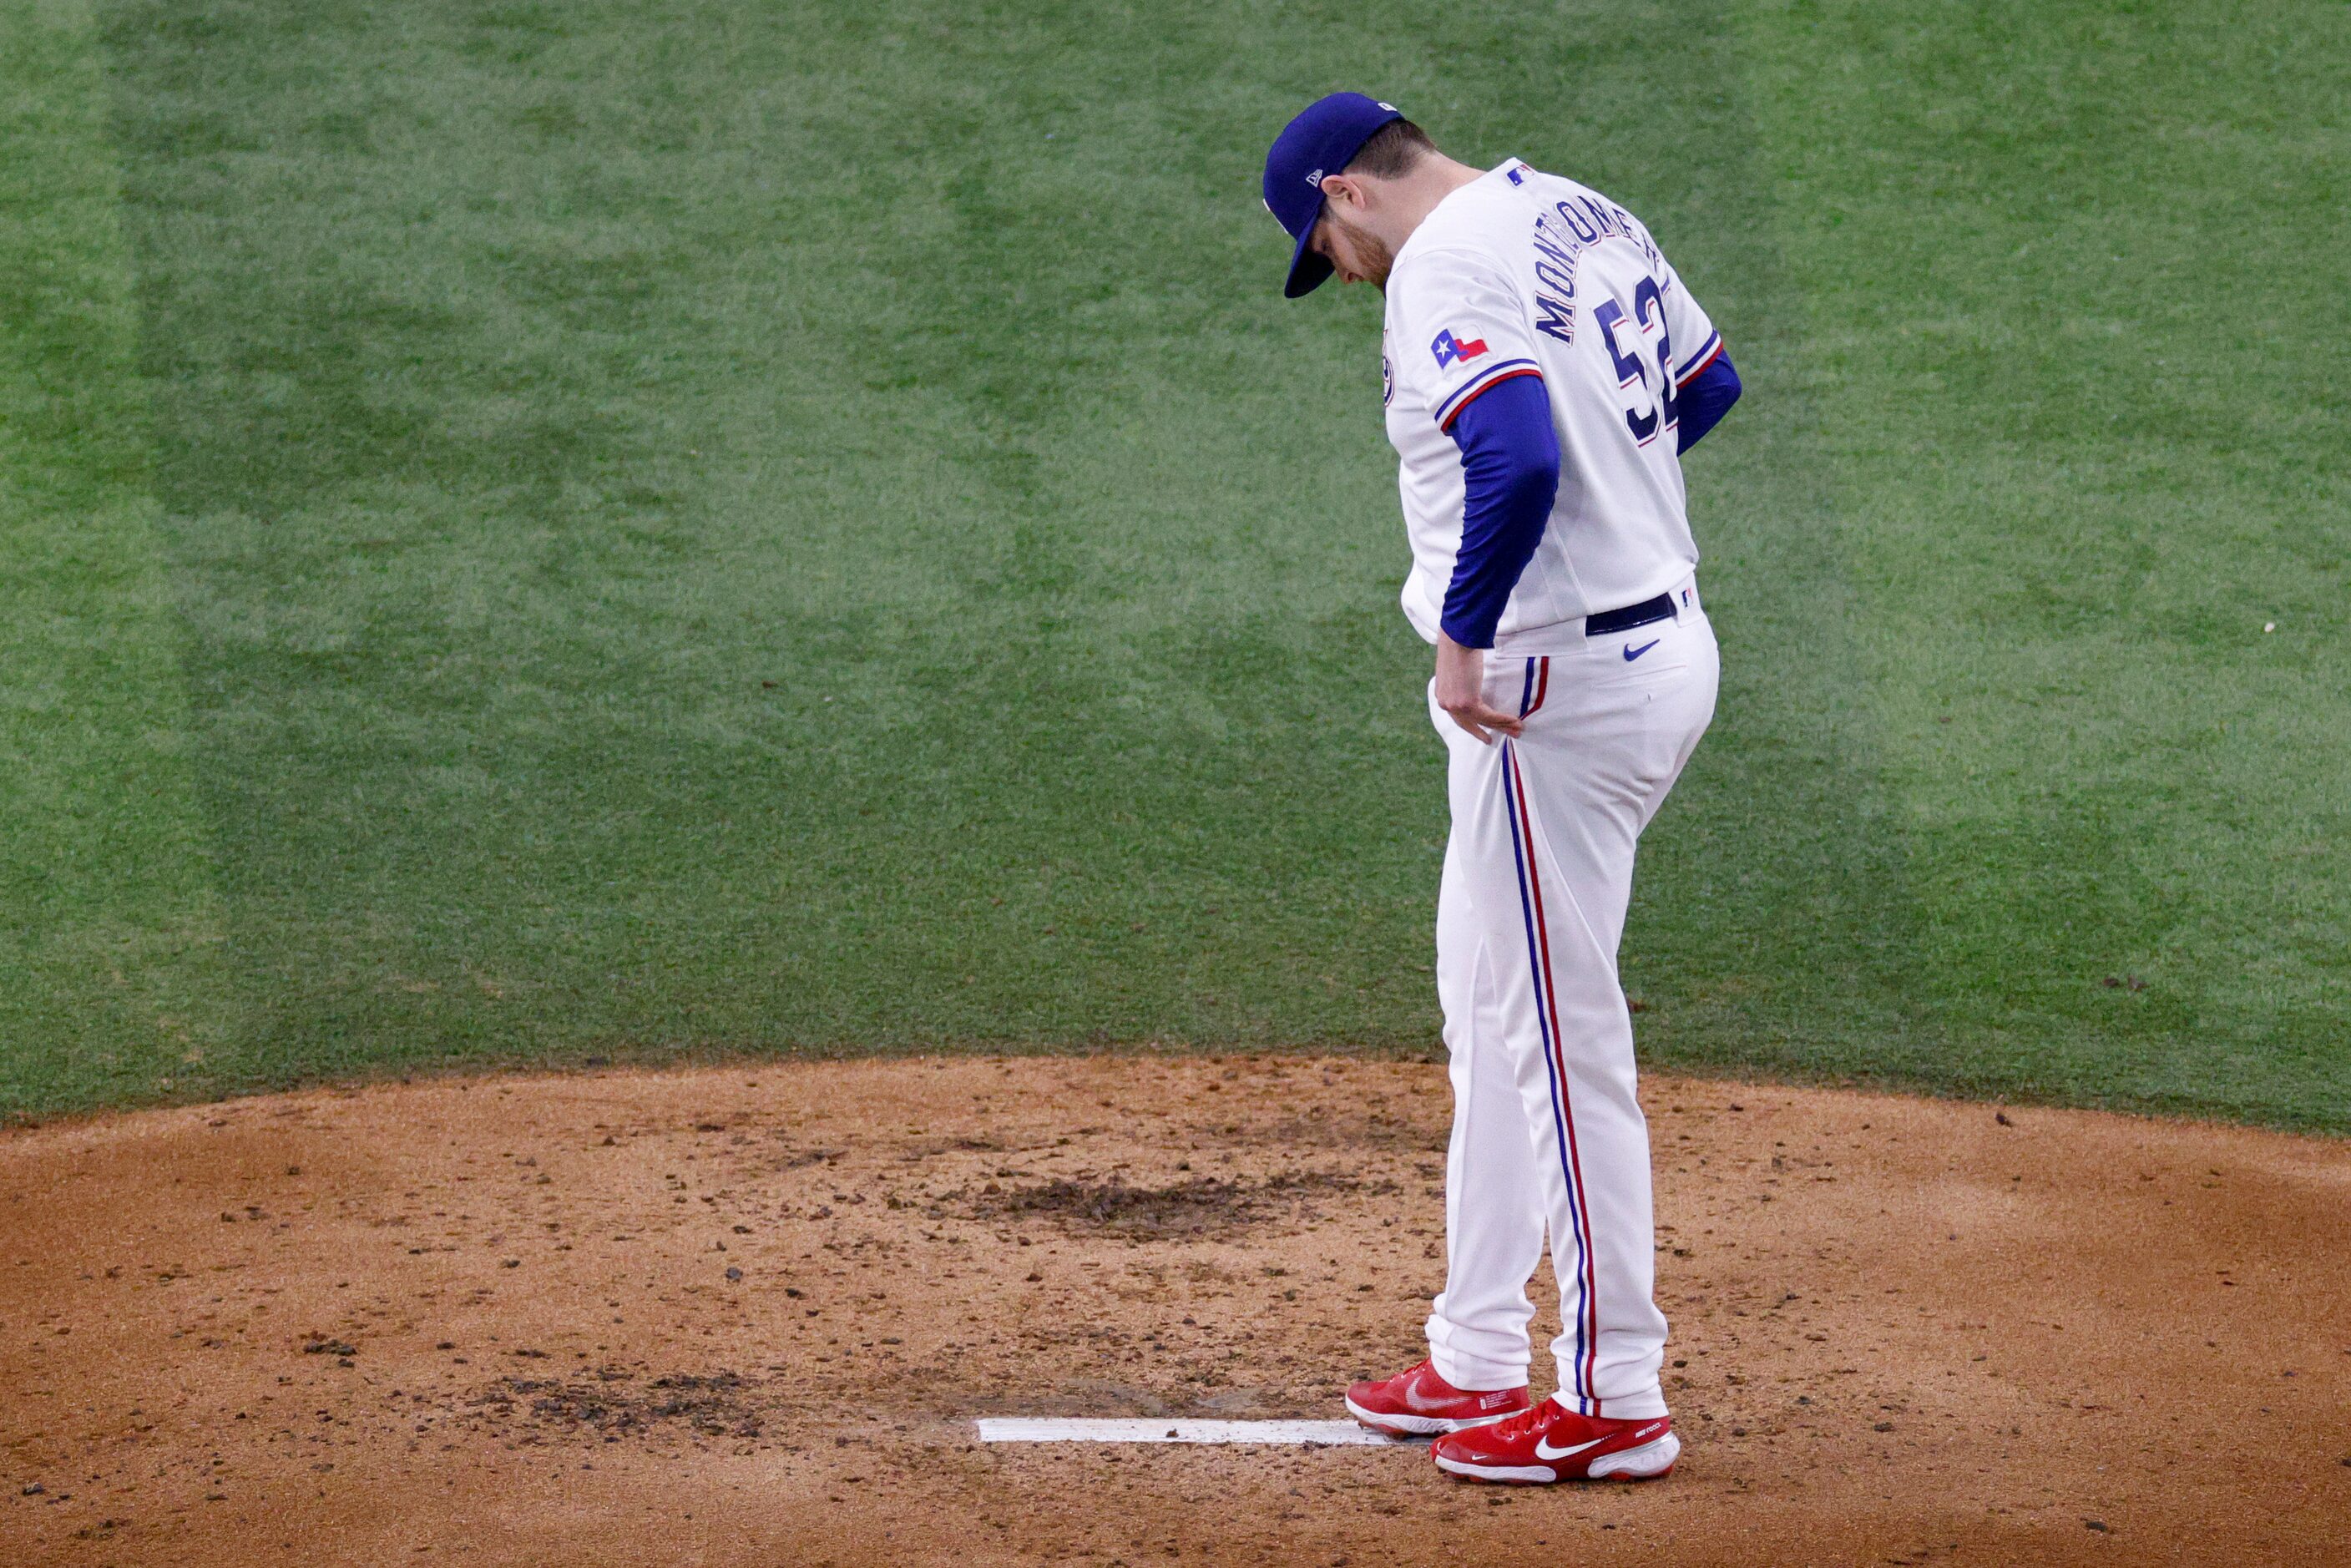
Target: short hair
{"type": "Point", "coordinates": [1392, 150]}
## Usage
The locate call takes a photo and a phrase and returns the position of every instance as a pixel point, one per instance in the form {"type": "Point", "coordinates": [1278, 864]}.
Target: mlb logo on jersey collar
{"type": "Point", "coordinates": [1449, 350]}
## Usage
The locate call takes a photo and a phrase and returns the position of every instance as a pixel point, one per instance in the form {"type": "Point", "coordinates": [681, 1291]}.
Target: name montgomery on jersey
{"type": "Point", "coordinates": [1561, 234]}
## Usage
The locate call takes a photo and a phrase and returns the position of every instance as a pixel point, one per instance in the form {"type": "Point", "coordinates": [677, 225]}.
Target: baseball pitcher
{"type": "Point", "coordinates": [1545, 369]}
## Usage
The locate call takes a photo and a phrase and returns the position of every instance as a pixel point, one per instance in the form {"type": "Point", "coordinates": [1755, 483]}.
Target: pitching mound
{"type": "Point", "coordinates": [747, 1316]}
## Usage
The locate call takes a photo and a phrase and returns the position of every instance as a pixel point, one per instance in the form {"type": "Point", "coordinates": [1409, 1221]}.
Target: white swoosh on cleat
{"type": "Point", "coordinates": [1543, 1451]}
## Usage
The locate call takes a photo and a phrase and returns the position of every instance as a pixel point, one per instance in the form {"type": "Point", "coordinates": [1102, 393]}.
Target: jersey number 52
{"type": "Point", "coordinates": [1647, 414]}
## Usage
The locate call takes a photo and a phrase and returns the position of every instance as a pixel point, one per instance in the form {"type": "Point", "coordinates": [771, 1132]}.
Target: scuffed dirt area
{"type": "Point", "coordinates": [746, 1316]}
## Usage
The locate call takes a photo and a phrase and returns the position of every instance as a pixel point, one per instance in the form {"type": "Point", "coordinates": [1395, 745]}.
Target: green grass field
{"type": "Point", "coordinates": [546, 531]}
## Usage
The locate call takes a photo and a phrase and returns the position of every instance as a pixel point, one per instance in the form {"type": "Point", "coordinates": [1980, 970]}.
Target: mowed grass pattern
{"type": "Point", "coordinates": [112, 981]}
{"type": "Point", "coordinates": [810, 529]}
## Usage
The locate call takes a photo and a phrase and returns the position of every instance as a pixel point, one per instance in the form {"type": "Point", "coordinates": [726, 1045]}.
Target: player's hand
{"type": "Point", "coordinates": [1461, 692]}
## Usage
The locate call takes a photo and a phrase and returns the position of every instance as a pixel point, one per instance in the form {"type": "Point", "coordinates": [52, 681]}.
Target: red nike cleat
{"type": "Point", "coordinates": [1419, 1403]}
{"type": "Point", "coordinates": [1552, 1443]}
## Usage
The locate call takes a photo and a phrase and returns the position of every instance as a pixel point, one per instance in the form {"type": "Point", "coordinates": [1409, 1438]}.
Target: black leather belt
{"type": "Point", "coordinates": [1608, 623]}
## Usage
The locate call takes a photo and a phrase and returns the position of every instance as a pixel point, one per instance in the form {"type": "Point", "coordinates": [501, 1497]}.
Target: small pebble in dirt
{"type": "Point", "coordinates": [734, 1273]}
{"type": "Point", "coordinates": [1882, 1427]}
{"type": "Point", "coordinates": [511, 1263]}
{"type": "Point", "coordinates": [2097, 1524]}
{"type": "Point", "coordinates": [1739, 1431]}
{"type": "Point", "coordinates": [2002, 1117]}
{"type": "Point", "coordinates": [36, 1488]}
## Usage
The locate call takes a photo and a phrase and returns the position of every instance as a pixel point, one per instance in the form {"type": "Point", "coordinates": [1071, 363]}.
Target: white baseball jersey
{"type": "Point", "coordinates": [1521, 273]}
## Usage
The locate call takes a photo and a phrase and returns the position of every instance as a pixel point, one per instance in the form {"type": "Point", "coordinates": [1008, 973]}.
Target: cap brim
{"type": "Point", "coordinates": [1308, 266]}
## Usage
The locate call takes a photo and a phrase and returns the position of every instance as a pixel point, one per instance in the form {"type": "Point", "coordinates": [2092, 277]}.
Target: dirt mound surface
{"type": "Point", "coordinates": [747, 1316]}
{"type": "Point", "coordinates": [1195, 1206]}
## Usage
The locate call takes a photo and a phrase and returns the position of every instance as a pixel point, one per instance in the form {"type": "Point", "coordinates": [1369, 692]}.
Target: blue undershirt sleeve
{"type": "Point", "coordinates": [1509, 461]}
{"type": "Point", "coordinates": [1705, 398]}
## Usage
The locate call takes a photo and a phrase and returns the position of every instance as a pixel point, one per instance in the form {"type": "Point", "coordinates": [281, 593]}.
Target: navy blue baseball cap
{"type": "Point", "coordinates": [1323, 139]}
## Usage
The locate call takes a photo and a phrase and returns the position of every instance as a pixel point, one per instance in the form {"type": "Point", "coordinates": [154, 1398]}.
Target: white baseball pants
{"type": "Point", "coordinates": [1546, 1131]}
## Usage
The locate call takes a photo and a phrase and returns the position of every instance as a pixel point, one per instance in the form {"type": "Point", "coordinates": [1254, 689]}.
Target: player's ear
{"type": "Point", "coordinates": [1347, 190]}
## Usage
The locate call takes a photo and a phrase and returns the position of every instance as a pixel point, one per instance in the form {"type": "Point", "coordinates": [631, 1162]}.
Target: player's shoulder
{"type": "Point", "coordinates": [1478, 220]}
{"type": "Point", "coordinates": [1451, 261]}
{"type": "Point", "coordinates": [1429, 289]}
{"type": "Point", "coordinates": [1485, 226]}
{"type": "Point", "coordinates": [1469, 237]}
{"type": "Point", "coordinates": [1545, 184]}
{"type": "Point", "coordinates": [1581, 205]}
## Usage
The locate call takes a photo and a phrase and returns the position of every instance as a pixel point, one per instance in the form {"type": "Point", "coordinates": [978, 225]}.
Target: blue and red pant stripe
{"type": "Point", "coordinates": [1530, 907]}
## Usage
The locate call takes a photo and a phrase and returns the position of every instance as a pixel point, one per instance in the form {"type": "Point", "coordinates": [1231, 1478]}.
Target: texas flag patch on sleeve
{"type": "Point", "coordinates": [1451, 351]}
